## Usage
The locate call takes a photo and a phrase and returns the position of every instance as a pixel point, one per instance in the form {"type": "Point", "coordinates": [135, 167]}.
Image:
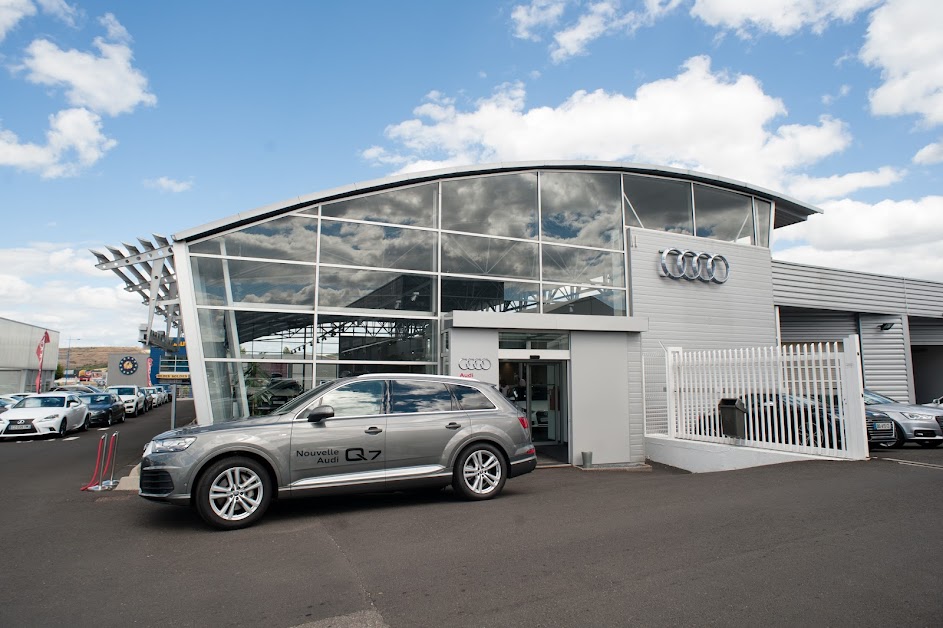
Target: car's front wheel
{"type": "Point", "coordinates": [63, 427]}
{"type": "Point", "coordinates": [233, 493]}
{"type": "Point", "coordinates": [480, 472]}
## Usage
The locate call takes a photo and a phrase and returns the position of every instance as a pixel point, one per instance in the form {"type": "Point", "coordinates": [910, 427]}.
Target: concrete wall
{"type": "Point", "coordinates": [602, 418]}
{"type": "Point", "coordinates": [137, 378]}
{"type": "Point", "coordinates": [474, 344]}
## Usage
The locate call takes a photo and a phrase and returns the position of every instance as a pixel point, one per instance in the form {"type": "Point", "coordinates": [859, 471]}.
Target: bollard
{"type": "Point", "coordinates": [95, 475]}
{"type": "Point", "coordinates": [109, 484]}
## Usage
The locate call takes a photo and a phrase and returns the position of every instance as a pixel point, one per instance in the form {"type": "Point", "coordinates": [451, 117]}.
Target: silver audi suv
{"type": "Point", "coordinates": [359, 434]}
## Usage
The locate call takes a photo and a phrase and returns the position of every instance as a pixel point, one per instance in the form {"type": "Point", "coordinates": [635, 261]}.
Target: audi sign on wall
{"type": "Point", "coordinates": [695, 266]}
{"type": "Point", "coordinates": [474, 364]}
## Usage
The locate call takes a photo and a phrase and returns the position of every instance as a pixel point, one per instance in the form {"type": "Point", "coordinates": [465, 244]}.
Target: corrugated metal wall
{"type": "Point", "coordinates": [636, 399]}
{"type": "Point", "coordinates": [926, 331]}
{"type": "Point", "coordinates": [885, 355]}
{"type": "Point", "coordinates": [802, 325]}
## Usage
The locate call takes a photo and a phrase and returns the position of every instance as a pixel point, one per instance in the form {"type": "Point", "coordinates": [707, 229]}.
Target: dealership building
{"type": "Point", "coordinates": [553, 280]}
{"type": "Point", "coordinates": [28, 354]}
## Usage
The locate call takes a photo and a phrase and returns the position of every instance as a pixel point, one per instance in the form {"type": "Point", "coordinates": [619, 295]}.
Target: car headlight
{"type": "Point", "coordinates": [51, 417]}
{"type": "Point", "coordinates": [168, 445]}
{"type": "Point", "coordinates": [916, 416]}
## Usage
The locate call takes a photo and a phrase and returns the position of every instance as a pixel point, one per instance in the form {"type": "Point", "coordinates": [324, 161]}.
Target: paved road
{"type": "Point", "coordinates": [812, 543]}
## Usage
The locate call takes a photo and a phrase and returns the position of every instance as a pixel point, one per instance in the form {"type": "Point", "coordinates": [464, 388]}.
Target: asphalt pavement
{"type": "Point", "coordinates": [809, 543]}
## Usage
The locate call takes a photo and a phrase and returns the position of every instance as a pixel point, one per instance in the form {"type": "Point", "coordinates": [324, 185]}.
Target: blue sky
{"type": "Point", "coordinates": [121, 119]}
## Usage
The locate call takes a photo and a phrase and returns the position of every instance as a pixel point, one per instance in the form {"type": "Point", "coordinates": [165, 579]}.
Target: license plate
{"type": "Point", "coordinates": [19, 427]}
{"type": "Point", "coordinates": [882, 426]}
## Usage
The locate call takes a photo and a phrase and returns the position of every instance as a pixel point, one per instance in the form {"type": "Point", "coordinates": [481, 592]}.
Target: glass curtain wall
{"type": "Point", "coordinates": [358, 285]}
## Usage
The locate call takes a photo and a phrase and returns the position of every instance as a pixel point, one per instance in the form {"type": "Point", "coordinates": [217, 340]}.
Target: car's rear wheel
{"type": "Point", "coordinates": [480, 472]}
{"type": "Point", "coordinates": [84, 426]}
{"type": "Point", "coordinates": [233, 493]}
{"type": "Point", "coordinates": [930, 444]}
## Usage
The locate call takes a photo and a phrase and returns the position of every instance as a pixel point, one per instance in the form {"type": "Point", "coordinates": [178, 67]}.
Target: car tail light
{"type": "Point", "coordinates": [523, 420]}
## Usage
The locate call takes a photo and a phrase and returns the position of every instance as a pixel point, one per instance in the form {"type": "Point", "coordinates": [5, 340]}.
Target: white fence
{"type": "Point", "coordinates": [799, 398]}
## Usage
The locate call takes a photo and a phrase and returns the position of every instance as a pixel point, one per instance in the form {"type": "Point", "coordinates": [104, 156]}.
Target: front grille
{"type": "Point", "coordinates": [156, 482]}
{"type": "Point", "coordinates": [881, 434]}
{"type": "Point", "coordinates": [939, 419]}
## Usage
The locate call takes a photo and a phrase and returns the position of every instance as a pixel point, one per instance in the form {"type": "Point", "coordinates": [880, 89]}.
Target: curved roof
{"type": "Point", "coordinates": [788, 210]}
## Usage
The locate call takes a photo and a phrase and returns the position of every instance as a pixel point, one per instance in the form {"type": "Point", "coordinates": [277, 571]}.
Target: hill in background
{"type": "Point", "coordinates": [94, 357]}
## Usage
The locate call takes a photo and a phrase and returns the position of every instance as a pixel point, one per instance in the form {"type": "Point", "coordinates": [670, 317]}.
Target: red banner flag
{"type": "Point", "coordinates": [40, 351]}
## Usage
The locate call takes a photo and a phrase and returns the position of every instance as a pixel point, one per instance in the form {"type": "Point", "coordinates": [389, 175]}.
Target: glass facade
{"type": "Point", "coordinates": [360, 284]}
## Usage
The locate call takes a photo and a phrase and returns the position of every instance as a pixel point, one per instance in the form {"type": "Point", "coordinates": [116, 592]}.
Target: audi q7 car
{"type": "Point", "coordinates": [359, 434]}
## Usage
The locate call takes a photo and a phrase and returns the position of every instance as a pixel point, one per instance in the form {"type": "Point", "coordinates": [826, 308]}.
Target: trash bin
{"type": "Point", "coordinates": [733, 418]}
{"type": "Point", "coordinates": [587, 459]}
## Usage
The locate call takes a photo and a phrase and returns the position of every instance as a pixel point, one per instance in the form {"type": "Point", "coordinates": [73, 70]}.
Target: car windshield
{"type": "Point", "coordinates": [122, 391]}
{"type": "Point", "coordinates": [302, 399]}
{"type": "Point", "coordinates": [873, 399]}
{"type": "Point", "coordinates": [96, 398]}
{"type": "Point", "coordinates": [42, 402]}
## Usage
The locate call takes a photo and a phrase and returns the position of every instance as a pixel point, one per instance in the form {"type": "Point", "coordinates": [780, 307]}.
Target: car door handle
{"type": "Point", "coordinates": [453, 426]}
{"type": "Point", "coordinates": [372, 430]}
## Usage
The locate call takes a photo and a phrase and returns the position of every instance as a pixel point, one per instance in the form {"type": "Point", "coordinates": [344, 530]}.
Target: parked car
{"type": "Point", "coordinates": [912, 423]}
{"type": "Point", "coordinates": [104, 408]}
{"type": "Point", "coordinates": [21, 395]}
{"type": "Point", "coordinates": [77, 388]}
{"type": "Point", "coordinates": [49, 413]}
{"type": "Point", "coordinates": [132, 397]}
{"type": "Point", "coordinates": [809, 422]}
{"type": "Point", "coordinates": [6, 402]}
{"type": "Point", "coordinates": [358, 434]}
{"type": "Point", "coordinates": [159, 395]}
{"type": "Point", "coordinates": [277, 393]}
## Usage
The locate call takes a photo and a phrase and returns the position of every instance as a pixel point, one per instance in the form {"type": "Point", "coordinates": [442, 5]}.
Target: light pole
{"type": "Point", "coordinates": [68, 355]}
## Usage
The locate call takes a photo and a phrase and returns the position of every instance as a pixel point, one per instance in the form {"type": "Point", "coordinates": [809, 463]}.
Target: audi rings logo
{"type": "Point", "coordinates": [695, 266]}
{"type": "Point", "coordinates": [474, 364]}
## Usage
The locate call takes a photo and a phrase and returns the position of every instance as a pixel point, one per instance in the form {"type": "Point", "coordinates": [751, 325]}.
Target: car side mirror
{"type": "Point", "coordinates": [73, 402]}
{"type": "Point", "coordinates": [316, 415]}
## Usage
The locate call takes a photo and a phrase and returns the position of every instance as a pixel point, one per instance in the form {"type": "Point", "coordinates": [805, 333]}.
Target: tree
{"type": "Point", "coordinates": [59, 371]}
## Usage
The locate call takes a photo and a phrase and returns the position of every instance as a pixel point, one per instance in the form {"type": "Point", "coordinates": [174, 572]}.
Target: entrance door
{"type": "Point", "coordinates": [538, 388]}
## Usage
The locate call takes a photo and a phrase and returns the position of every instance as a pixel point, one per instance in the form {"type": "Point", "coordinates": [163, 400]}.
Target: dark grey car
{"type": "Point", "coordinates": [368, 433]}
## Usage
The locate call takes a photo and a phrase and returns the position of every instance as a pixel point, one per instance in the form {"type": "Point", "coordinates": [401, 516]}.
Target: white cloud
{"type": "Point", "coordinates": [74, 141]}
{"type": "Point", "coordinates": [166, 184]}
{"type": "Point", "coordinates": [11, 12]}
{"type": "Point", "coordinates": [57, 285]}
{"type": "Point", "coordinates": [105, 83]}
{"type": "Point", "coordinates": [930, 154]}
{"type": "Point", "coordinates": [537, 14]}
{"type": "Point", "coordinates": [781, 17]}
{"type": "Point", "coordinates": [818, 189]}
{"type": "Point", "coordinates": [605, 18]}
{"type": "Point", "coordinates": [848, 225]}
{"type": "Point", "coordinates": [903, 40]}
{"type": "Point", "coordinates": [843, 91]}
{"type": "Point", "coordinates": [60, 9]}
{"type": "Point", "coordinates": [730, 131]}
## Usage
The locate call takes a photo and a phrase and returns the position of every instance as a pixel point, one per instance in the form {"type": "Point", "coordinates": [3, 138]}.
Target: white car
{"type": "Point", "coordinates": [48, 413]}
{"type": "Point", "coordinates": [132, 397]}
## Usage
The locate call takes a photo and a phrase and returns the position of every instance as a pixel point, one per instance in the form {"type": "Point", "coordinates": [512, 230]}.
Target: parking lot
{"type": "Point", "coordinates": [822, 543]}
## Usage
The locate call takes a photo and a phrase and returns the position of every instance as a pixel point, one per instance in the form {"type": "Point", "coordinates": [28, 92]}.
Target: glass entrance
{"type": "Point", "coordinates": [538, 389]}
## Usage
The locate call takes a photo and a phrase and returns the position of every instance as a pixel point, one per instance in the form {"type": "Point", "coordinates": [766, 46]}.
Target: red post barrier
{"type": "Point", "coordinates": [95, 471]}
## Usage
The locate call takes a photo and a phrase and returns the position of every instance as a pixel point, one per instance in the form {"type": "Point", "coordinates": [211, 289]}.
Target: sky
{"type": "Point", "coordinates": [120, 120]}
